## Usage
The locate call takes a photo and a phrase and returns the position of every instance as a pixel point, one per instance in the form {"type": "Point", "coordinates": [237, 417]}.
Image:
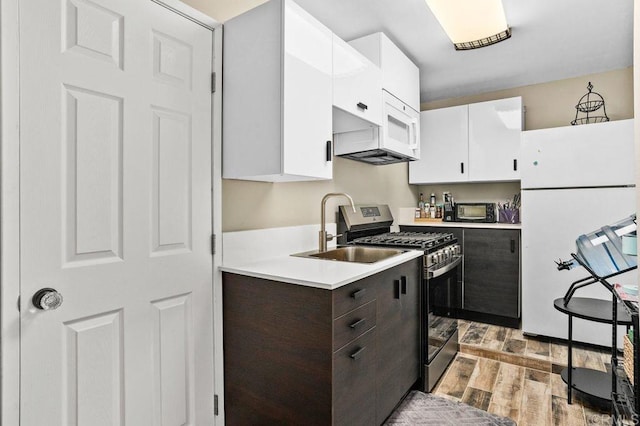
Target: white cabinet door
{"type": "Point", "coordinates": [443, 142]}
{"type": "Point", "coordinates": [307, 95]}
{"type": "Point", "coordinates": [494, 139]}
{"type": "Point", "coordinates": [400, 76]}
{"type": "Point", "coordinates": [357, 89]}
{"type": "Point", "coordinates": [278, 95]}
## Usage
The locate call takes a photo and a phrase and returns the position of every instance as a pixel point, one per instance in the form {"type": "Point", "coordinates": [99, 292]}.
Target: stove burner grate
{"type": "Point", "coordinates": [407, 239]}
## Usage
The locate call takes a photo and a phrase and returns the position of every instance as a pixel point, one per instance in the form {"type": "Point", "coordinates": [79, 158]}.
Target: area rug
{"type": "Point", "coordinates": [419, 408]}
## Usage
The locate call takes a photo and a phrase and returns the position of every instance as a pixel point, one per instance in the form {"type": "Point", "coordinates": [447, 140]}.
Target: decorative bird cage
{"type": "Point", "coordinates": [588, 104]}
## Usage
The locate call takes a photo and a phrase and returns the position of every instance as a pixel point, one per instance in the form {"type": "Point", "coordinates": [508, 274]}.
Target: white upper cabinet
{"type": "Point", "coordinates": [357, 89]}
{"type": "Point", "coordinates": [495, 129]}
{"type": "Point", "coordinates": [400, 76]}
{"type": "Point", "coordinates": [470, 143]}
{"type": "Point", "coordinates": [444, 151]}
{"type": "Point", "coordinates": [277, 119]}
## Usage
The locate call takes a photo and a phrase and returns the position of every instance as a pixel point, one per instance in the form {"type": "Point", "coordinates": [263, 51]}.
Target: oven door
{"type": "Point", "coordinates": [400, 127]}
{"type": "Point", "coordinates": [443, 301]}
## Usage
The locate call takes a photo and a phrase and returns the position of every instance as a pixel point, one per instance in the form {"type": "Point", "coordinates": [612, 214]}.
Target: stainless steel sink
{"type": "Point", "coordinates": [356, 254]}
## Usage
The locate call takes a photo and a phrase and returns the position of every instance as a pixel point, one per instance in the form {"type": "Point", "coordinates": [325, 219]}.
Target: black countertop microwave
{"type": "Point", "coordinates": [475, 212]}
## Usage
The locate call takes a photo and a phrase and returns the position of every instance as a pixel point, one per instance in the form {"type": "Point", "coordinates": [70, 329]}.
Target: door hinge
{"type": "Point", "coordinates": [213, 243]}
{"type": "Point", "coordinates": [215, 405]}
{"type": "Point", "coordinates": [213, 82]}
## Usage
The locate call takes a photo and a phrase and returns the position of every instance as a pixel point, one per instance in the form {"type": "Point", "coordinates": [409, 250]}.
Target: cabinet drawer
{"type": "Point", "coordinates": [353, 324]}
{"type": "Point", "coordinates": [353, 295]}
{"type": "Point", "coordinates": [354, 394]}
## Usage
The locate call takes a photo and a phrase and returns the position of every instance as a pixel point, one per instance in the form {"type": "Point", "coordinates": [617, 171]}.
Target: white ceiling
{"type": "Point", "coordinates": [552, 40]}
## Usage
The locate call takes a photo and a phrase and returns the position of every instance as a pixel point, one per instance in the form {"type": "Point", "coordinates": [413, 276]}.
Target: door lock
{"type": "Point", "coordinates": [47, 299]}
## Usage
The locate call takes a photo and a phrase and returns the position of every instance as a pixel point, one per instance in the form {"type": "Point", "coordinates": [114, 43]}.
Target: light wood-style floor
{"type": "Point", "coordinates": [503, 372]}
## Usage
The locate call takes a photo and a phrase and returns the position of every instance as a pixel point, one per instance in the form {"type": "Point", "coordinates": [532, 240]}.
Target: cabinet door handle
{"type": "Point", "coordinates": [515, 164]}
{"type": "Point", "coordinates": [358, 323]}
{"type": "Point", "coordinates": [396, 289]}
{"type": "Point", "coordinates": [358, 294]}
{"type": "Point", "coordinates": [329, 151]}
{"type": "Point", "coordinates": [362, 106]}
{"type": "Point", "coordinates": [403, 284]}
{"type": "Point", "coordinates": [513, 246]}
{"type": "Point", "coordinates": [357, 354]}
{"type": "Point", "coordinates": [462, 168]}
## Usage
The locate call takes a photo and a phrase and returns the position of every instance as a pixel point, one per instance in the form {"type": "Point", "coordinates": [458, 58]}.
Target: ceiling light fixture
{"type": "Point", "coordinates": [471, 24]}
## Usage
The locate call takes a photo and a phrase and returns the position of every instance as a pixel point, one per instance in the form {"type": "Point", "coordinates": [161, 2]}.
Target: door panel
{"type": "Point", "coordinates": [115, 193]}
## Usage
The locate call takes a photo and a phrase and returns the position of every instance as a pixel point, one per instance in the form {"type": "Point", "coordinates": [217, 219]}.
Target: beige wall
{"type": "Point", "coordinates": [553, 104]}
{"type": "Point", "coordinates": [221, 10]}
{"type": "Point", "coordinates": [255, 205]}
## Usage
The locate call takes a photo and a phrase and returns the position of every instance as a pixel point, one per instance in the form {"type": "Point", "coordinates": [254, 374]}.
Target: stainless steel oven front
{"type": "Point", "coordinates": [441, 300]}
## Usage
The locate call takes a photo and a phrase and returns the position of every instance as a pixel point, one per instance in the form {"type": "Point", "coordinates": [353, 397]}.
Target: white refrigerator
{"type": "Point", "coordinates": [574, 180]}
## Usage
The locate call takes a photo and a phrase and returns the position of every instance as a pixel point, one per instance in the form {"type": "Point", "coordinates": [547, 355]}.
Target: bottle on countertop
{"type": "Point", "coordinates": [432, 199]}
{"type": "Point", "coordinates": [421, 206]}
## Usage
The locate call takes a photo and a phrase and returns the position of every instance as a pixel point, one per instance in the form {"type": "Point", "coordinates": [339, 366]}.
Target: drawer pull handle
{"type": "Point", "coordinates": [358, 323]}
{"type": "Point", "coordinates": [396, 289]}
{"type": "Point", "coordinates": [515, 164]}
{"type": "Point", "coordinates": [403, 283]}
{"type": "Point", "coordinates": [329, 150]}
{"type": "Point", "coordinates": [362, 106]}
{"type": "Point", "coordinates": [357, 354]}
{"type": "Point", "coordinates": [358, 294]}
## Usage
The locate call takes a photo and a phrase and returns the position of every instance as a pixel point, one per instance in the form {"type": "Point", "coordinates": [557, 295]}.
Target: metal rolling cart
{"type": "Point", "coordinates": [601, 254]}
{"type": "Point", "coordinates": [626, 377]}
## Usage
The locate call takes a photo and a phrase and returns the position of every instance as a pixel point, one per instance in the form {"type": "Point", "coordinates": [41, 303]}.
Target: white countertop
{"type": "Point", "coordinates": [406, 218]}
{"type": "Point", "coordinates": [266, 253]}
{"type": "Point", "coordinates": [319, 273]}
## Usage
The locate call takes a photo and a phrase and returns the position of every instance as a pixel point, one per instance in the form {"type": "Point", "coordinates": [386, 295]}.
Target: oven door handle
{"type": "Point", "coordinates": [441, 271]}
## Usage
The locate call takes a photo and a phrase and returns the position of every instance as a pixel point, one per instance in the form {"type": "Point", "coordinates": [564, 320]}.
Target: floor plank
{"type": "Point", "coordinates": [484, 374]}
{"type": "Point", "coordinates": [475, 333]}
{"type": "Point", "coordinates": [477, 398]}
{"type": "Point", "coordinates": [537, 376]}
{"type": "Point", "coordinates": [565, 414]}
{"type": "Point", "coordinates": [494, 338]}
{"type": "Point", "coordinates": [457, 377]}
{"type": "Point", "coordinates": [537, 349]}
{"type": "Point", "coordinates": [507, 391]}
{"type": "Point", "coordinates": [514, 346]}
{"type": "Point", "coordinates": [535, 409]}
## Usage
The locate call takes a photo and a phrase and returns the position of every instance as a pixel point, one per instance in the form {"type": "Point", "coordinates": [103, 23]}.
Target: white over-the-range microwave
{"type": "Point", "coordinates": [397, 140]}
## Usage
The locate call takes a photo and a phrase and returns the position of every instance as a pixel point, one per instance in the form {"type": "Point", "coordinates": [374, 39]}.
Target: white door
{"type": "Point", "coordinates": [115, 214]}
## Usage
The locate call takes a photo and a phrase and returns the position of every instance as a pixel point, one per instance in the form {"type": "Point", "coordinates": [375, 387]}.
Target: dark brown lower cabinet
{"type": "Point", "coordinates": [398, 336]}
{"type": "Point", "coordinates": [492, 272]}
{"type": "Point", "coordinates": [301, 355]}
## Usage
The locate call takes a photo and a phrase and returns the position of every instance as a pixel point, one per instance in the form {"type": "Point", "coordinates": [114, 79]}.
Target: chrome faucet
{"type": "Point", "coordinates": [324, 237]}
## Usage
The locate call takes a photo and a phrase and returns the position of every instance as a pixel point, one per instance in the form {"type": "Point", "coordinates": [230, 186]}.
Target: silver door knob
{"type": "Point", "coordinates": [47, 299]}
